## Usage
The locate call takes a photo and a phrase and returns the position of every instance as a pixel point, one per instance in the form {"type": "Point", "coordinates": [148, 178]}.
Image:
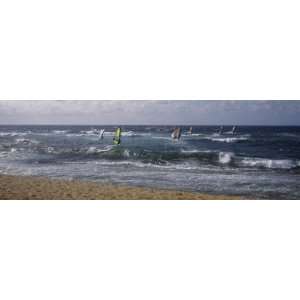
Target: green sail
{"type": "Point", "coordinates": [117, 137]}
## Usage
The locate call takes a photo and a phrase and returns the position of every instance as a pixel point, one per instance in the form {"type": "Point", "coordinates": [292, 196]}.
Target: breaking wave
{"type": "Point", "coordinates": [270, 163]}
{"type": "Point", "coordinates": [60, 131]}
{"type": "Point", "coordinates": [24, 141]}
{"type": "Point", "coordinates": [93, 150]}
{"type": "Point", "coordinates": [14, 133]}
{"type": "Point", "coordinates": [228, 139]}
{"type": "Point", "coordinates": [225, 157]}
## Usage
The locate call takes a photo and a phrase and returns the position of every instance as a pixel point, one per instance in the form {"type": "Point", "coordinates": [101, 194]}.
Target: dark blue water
{"type": "Point", "coordinates": [256, 162]}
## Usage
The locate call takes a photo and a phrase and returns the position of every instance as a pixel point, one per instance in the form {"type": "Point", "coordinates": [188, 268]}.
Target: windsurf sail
{"type": "Point", "coordinates": [233, 130]}
{"type": "Point", "coordinates": [176, 134]}
{"type": "Point", "coordinates": [221, 130]}
{"type": "Point", "coordinates": [117, 137]}
{"type": "Point", "coordinates": [101, 133]}
{"type": "Point", "coordinates": [190, 130]}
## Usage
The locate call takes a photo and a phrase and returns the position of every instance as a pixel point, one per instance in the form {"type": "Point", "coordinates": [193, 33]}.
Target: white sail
{"type": "Point", "coordinates": [173, 134]}
{"type": "Point", "coordinates": [176, 134]}
{"type": "Point", "coordinates": [233, 130]}
{"type": "Point", "coordinates": [101, 133]}
{"type": "Point", "coordinates": [221, 130]}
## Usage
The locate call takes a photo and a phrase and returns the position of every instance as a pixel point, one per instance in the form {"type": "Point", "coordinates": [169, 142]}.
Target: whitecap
{"type": "Point", "coordinates": [3, 154]}
{"type": "Point", "coordinates": [126, 153]}
{"type": "Point", "coordinates": [26, 141]}
{"type": "Point", "coordinates": [270, 163]}
{"type": "Point", "coordinates": [140, 164]}
{"type": "Point", "coordinates": [60, 131]}
{"type": "Point", "coordinates": [50, 149]}
{"type": "Point", "coordinates": [228, 139]}
{"type": "Point", "coordinates": [12, 133]}
{"type": "Point", "coordinates": [225, 157]}
{"type": "Point", "coordinates": [189, 151]}
{"type": "Point", "coordinates": [92, 150]}
{"type": "Point", "coordinates": [196, 151]}
{"type": "Point", "coordinates": [128, 133]}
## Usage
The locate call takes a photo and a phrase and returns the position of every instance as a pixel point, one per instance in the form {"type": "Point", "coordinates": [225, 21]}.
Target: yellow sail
{"type": "Point", "coordinates": [117, 137]}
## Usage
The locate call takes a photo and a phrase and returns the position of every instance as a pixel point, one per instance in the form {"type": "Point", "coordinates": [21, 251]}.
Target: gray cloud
{"type": "Point", "coordinates": [151, 112]}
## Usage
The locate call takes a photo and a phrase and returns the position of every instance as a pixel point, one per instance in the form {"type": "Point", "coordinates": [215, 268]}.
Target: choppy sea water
{"type": "Point", "coordinates": [256, 162]}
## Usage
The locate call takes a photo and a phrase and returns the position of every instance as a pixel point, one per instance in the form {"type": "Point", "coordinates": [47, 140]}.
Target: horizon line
{"type": "Point", "coordinates": [116, 124]}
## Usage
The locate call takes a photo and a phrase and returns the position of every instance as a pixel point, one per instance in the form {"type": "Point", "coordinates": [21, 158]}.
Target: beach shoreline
{"type": "Point", "coordinates": [42, 188]}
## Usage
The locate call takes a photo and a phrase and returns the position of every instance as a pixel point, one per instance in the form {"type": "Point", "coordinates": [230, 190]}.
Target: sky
{"type": "Point", "coordinates": [150, 112]}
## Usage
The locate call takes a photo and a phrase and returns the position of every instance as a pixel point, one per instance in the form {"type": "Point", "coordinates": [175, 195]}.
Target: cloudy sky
{"type": "Point", "coordinates": [151, 112]}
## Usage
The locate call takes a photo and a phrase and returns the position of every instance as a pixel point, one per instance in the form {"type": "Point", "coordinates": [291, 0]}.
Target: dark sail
{"type": "Point", "coordinates": [176, 134]}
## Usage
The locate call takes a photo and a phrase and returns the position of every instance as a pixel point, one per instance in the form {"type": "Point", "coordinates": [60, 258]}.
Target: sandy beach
{"type": "Point", "coordinates": [25, 187]}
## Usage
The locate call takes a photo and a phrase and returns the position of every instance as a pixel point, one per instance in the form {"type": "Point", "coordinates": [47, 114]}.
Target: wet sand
{"type": "Point", "coordinates": [26, 187]}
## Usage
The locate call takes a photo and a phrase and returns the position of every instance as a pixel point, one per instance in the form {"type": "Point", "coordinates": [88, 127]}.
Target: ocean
{"type": "Point", "coordinates": [255, 163]}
